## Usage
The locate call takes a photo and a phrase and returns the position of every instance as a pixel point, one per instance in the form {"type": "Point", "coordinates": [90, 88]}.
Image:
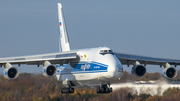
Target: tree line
{"type": "Point", "coordinates": [36, 87]}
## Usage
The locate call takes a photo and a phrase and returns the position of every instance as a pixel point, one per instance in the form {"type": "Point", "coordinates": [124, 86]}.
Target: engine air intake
{"type": "Point", "coordinates": [49, 70]}
{"type": "Point", "coordinates": [10, 73]}
{"type": "Point", "coordinates": [169, 73]}
{"type": "Point", "coordinates": [138, 70]}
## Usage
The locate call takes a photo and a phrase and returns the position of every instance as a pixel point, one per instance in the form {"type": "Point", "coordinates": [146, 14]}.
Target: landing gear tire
{"type": "Point", "coordinates": [67, 90]}
{"type": "Point", "coordinates": [71, 90]}
{"type": "Point", "coordinates": [98, 90]}
{"type": "Point", "coordinates": [107, 90]}
{"type": "Point", "coordinates": [104, 89]}
{"type": "Point", "coordinates": [110, 89]}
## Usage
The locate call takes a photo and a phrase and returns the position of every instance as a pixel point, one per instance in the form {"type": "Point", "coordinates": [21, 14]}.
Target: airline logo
{"type": "Point", "coordinates": [85, 67]}
{"type": "Point", "coordinates": [92, 67]}
{"type": "Point", "coordinates": [60, 24]}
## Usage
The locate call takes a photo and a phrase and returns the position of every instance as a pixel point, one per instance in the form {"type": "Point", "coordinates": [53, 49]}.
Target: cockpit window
{"type": "Point", "coordinates": [103, 52]}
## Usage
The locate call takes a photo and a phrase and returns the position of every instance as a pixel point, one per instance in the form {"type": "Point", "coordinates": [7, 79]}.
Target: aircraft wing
{"type": "Point", "coordinates": [53, 58]}
{"type": "Point", "coordinates": [128, 59]}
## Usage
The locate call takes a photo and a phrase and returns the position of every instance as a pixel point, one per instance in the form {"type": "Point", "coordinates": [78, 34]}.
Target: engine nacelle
{"type": "Point", "coordinates": [10, 73]}
{"type": "Point", "coordinates": [49, 70]}
{"type": "Point", "coordinates": [169, 72]}
{"type": "Point", "coordinates": [138, 70]}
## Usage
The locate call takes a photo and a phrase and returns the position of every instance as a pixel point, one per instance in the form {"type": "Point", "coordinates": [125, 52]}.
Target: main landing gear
{"type": "Point", "coordinates": [104, 89]}
{"type": "Point", "coordinates": [67, 90]}
{"type": "Point", "coordinates": [67, 87]}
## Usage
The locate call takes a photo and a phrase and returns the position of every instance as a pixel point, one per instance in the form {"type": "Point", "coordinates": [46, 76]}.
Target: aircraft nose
{"type": "Point", "coordinates": [114, 65]}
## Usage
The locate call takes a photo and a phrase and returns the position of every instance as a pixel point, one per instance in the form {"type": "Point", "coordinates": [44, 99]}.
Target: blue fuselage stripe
{"type": "Point", "coordinates": [84, 67]}
{"type": "Point", "coordinates": [83, 72]}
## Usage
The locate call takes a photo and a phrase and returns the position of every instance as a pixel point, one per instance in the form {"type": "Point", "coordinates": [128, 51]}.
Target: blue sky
{"type": "Point", "coordinates": [149, 28]}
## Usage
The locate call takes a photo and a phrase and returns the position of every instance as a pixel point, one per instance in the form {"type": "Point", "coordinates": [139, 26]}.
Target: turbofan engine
{"type": "Point", "coordinates": [169, 73]}
{"type": "Point", "coordinates": [138, 70]}
{"type": "Point", "coordinates": [49, 70]}
{"type": "Point", "coordinates": [10, 73]}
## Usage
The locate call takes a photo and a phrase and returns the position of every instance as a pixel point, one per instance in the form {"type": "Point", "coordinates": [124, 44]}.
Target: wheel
{"type": "Point", "coordinates": [65, 90]}
{"type": "Point", "coordinates": [102, 90]}
{"type": "Point", "coordinates": [110, 89]}
{"type": "Point", "coordinates": [107, 90]}
{"type": "Point", "coordinates": [71, 90]}
{"type": "Point", "coordinates": [98, 90]}
{"type": "Point", "coordinates": [62, 91]}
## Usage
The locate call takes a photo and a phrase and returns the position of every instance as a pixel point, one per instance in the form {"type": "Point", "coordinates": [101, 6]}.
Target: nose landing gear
{"type": "Point", "coordinates": [104, 89]}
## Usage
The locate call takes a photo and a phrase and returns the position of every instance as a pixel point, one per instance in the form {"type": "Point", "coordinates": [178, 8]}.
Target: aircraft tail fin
{"type": "Point", "coordinates": [63, 37]}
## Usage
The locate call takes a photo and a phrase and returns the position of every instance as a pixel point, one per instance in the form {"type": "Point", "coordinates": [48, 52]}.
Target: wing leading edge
{"type": "Point", "coordinates": [53, 58]}
{"type": "Point", "coordinates": [128, 59]}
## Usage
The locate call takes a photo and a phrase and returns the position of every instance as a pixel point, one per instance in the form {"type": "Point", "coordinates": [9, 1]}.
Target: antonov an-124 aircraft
{"type": "Point", "coordinates": [94, 67]}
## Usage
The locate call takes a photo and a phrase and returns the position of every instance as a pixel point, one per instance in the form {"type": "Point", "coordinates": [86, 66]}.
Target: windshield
{"type": "Point", "coordinates": [106, 52]}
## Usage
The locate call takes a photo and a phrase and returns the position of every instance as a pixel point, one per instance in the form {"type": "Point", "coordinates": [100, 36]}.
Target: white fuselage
{"type": "Point", "coordinates": [93, 67]}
